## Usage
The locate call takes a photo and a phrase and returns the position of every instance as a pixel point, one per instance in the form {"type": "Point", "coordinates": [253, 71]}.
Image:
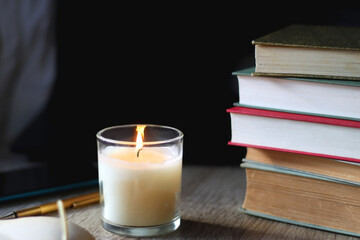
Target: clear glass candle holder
{"type": "Point", "coordinates": [140, 179]}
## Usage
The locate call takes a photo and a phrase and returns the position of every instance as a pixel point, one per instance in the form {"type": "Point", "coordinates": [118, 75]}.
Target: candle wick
{"type": "Point", "coordinates": [138, 152]}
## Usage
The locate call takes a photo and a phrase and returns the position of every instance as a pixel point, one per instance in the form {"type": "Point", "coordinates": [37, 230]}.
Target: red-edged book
{"type": "Point", "coordinates": [298, 133]}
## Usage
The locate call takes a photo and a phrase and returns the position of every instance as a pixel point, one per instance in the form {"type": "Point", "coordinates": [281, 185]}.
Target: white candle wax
{"type": "Point", "coordinates": [140, 191]}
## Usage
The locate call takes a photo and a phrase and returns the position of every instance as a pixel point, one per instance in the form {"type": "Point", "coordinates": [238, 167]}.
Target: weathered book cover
{"type": "Point", "coordinates": [304, 192]}
{"type": "Point", "coordinates": [303, 224]}
{"type": "Point", "coordinates": [313, 36]}
{"type": "Point", "coordinates": [313, 51]}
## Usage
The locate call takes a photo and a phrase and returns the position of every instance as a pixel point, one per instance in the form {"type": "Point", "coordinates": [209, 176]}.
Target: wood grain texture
{"type": "Point", "coordinates": [211, 197]}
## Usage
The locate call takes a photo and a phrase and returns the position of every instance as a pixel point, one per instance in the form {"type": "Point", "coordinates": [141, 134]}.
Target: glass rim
{"type": "Point", "coordinates": [145, 143]}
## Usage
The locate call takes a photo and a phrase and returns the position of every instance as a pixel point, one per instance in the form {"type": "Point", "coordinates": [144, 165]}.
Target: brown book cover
{"type": "Point", "coordinates": [327, 167]}
{"type": "Point", "coordinates": [313, 36]}
{"type": "Point", "coordinates": [310, 51]}
{"type": "Point", "coordinates": [301, 200]}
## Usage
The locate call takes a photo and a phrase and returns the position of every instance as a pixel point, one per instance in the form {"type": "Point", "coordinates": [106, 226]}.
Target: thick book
{"type": "Point", "coordinates": [321, 97]}
{"type": "Point", "coordinates": [309, 51]}
{"type": "Point", "coordinates": [337, 170]}
{"type": "Point", "coordinates": [305, 134]}
{"type": "Point", "coordinates": [302, 199]}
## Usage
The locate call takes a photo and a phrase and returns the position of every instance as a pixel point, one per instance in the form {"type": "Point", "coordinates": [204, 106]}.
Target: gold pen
{"type": "Point", "coordinates": [51, 207]}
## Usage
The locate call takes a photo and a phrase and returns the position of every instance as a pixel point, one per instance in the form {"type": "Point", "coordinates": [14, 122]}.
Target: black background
{"type": "Point", "coordinates": [167, 64]}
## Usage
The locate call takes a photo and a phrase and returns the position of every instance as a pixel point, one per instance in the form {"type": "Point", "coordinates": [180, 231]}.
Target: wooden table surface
{"type": "Point", "coordinates": [211, 196]}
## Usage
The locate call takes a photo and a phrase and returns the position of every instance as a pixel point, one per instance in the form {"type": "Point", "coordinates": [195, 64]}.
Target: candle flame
{"type": "Point", "coordinates": [140, 137]}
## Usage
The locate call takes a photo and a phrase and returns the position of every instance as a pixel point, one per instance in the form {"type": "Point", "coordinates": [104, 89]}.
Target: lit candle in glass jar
{"type": "Point", "coordinates": [140, 182]}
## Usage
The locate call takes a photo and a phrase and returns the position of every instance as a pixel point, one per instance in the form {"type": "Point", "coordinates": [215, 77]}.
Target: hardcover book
{"type": "Point", "coordinates": [301, 198]}
{"type": "Point", "coordinates": [340, 171]}
{"type": "Point", "coordinates": [321, 97]}
{"type": "Point", "coordinates": [309, 51]}
{"type": "Point", "coordinates": [305, 134]}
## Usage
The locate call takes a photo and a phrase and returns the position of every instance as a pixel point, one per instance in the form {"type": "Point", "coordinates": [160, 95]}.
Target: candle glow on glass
{"type": "Point", "coordinates": [140, 190]}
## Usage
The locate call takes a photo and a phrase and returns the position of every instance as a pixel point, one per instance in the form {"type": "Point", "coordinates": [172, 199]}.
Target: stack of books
{"type": "Point", "coordinates": [299, 117]}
